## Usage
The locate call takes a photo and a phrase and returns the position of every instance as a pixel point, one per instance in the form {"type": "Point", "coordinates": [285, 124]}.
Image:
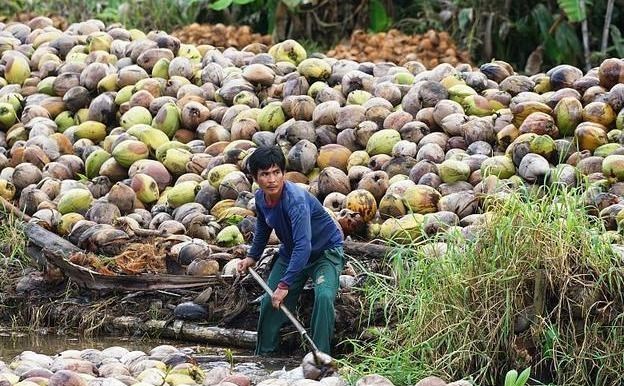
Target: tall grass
{"type": "Point", "coordinates": [12, 242]}
{"type": "Point", "coordinates": [539, 286]}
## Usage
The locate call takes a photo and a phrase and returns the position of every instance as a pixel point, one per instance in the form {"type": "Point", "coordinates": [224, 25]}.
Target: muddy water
{"type": "Point", "coordinates": [13, 343]}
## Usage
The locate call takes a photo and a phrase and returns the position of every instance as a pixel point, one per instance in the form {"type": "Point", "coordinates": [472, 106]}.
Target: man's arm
{"type": "Point", "coordinates": [302, 239]}
{"type": "Point", "coordinates": [260, 239]}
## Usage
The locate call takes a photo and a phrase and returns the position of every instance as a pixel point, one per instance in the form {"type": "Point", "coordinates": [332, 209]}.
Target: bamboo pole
{"type": "Point", "coordinates": [605, 28]}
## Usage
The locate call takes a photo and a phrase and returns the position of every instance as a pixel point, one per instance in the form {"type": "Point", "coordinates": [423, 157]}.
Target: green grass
{"type": "Point", "coordinates": [453, 315]}
{"type": "Point", "coordinates": [12, 243]}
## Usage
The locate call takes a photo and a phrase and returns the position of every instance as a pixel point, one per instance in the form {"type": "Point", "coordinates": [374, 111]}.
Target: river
{"type": "Point", "coordinates": [13, 343]}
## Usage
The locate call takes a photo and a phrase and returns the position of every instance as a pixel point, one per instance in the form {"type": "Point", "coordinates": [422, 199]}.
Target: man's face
{"type": "Point", "coordinates": [270, 180]}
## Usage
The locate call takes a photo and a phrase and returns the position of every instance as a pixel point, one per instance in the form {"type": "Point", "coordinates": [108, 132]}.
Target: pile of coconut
{"type": "Point", "coordinates": [107, 131]}
{"type": "Point", "coordinates": [163, 365]}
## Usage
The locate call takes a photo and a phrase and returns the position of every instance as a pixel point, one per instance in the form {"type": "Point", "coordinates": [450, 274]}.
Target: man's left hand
{"type": "Point", "coordinates": [278, 297]}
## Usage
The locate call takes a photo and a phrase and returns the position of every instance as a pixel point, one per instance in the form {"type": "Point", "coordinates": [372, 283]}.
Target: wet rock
{"type": "Point", "coordinates": [431, 381]}
{"type": "Point", "coordinates": [190, 311]}
{"type": "Point", "coordinates": [374, 380]}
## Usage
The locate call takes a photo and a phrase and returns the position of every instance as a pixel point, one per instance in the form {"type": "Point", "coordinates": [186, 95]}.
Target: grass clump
{"type": "Point", "coordinates": [539, 286]}
{"type": "Point", "coordinates": [12, 243]}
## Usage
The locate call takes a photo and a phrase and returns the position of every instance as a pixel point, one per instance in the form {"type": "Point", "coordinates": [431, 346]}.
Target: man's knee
{"type": "Point", "coordinates": [325, 296]}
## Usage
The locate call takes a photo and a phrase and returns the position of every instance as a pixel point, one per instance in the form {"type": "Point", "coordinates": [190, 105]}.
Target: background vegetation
{"type": "Point", "coordinates": [540, 287]}
{"type": "Point", "coordinates": [544, 33]}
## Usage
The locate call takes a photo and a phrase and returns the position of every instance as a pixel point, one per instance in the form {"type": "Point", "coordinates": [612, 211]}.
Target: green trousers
{"type": "Point", "coordinates": [324, 272]}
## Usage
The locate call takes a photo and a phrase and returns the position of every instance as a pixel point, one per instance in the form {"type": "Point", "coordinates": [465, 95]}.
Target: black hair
{"type": "Point", "coordinates": [264, 157]}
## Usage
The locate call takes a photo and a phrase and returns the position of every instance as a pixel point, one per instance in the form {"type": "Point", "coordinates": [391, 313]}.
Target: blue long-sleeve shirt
{"type": "Point", "coordinates": [302, 225]}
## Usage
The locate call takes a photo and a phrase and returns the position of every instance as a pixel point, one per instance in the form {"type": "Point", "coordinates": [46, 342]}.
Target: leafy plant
{"type": "Point", "coordinates": [573, 9]}
{"type": "Point", "coordinates": [513, 379]}
{"type": "Point", "coordinates": [229, 356]}
{"type": "Point", "coordinates": [220, 5]}
{"type": "Point", "coordinates": [379, 19]}
{"type": "Point", "coordinates": [618, 41]}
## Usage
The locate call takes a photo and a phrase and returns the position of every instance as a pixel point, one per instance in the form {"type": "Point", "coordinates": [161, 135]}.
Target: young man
{"type": "Point", "coordinates": [311, 246]}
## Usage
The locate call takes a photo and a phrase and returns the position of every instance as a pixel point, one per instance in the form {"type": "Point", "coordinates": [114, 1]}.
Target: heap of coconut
{"type": "Point", "coordinates": [220, 35]}
{"type": "Point", "coordinates": [107, 131]}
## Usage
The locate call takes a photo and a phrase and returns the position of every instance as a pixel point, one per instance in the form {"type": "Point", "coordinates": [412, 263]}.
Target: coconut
{"type": "Point", "coordinates": [333, 155]}
{"type": "Point", "coordinates": [362, 202]}
{"type": "Point", "coordinates": [500, 166]}
{"type": "Point", "coordinates": [232, 184]}
{"type": "Point", "coordinates": [375, 182]}
{"type": "Point", "coordinates": [382, 142]}
{"type": "Point", "coordinates": [421, 199]}
{"type": "Point", "coordinates": [453, 170]}
{"type": "Point", "coordinates": [302, 156]}
{"type": "Point", "coordinates": [533, 167]}
{"type": "Point", "coordinates": [332, 179]}
{"type": "Point", "coordinates": [25, 174]}
{"type": "Point", "coordinates": [122, 196]}
{"type": "Point", "coordinates": [75, 201]}
{"type": "Point", "coordinates": [145, 187]}
{"type": "Point", "coordinates": [439, 222]}
{"type": "Point", "coordinates": [406, 229]}
{"type": "Point", "coordinates": [182, 193]}
{"type": "Point", "coordinates": [230, 236]}
{"type": "Point", "coordinates": [462, 203]}
{"type": "Point", "coordinates": [391, 205]}
{"type": "Point", "coordinates": [334, 201]}
{"type": "Point", "coordinates": [612, 167]}
{"type": "Point", "coordinates": [129, 151]}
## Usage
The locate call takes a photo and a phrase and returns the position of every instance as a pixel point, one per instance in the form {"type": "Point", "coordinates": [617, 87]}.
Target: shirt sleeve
{"type": "Point", "coordinates": [261, 237]}
{"type": "Point", "coordinates": [302, 241]}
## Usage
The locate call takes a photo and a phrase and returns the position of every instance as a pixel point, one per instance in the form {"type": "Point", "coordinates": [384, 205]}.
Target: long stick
{"type": "Point", "coordinates": [605, 28]}
{"type": "Point", "coordinates": [585, 34]}
{"type": "Point", "coordinates": [286, 311]}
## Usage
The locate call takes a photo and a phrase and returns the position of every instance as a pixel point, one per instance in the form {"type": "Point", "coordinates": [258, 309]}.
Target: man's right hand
{"type": "Point", "coordinates": [244, 264]}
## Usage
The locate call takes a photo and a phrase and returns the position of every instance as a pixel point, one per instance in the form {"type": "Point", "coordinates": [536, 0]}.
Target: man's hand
{"type": "Point", "coordinates": [244, 264]}
{"type": "Point", "coordinates": [278, 297]}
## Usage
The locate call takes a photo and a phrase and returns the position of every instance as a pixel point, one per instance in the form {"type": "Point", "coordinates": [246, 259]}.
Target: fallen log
{"type": "Point", "coordinates": [85, 277]}
{"type": "Point", "coordinates": [365, 250]}
{"type": "Point", "coordinates": [56, 250]}
{"type": "Point", "coordinates": [42, 238]}
{"type": "Point", "coordinates": [184, 330]}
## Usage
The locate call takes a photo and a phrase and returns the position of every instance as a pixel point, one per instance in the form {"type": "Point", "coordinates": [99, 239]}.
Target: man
{"type": "Point", "coordinates": [311, 246]}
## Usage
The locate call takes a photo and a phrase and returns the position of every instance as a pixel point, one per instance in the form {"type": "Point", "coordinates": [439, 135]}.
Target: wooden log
{"type": "Point", "coordinates": [43, 238]}
{"type": "Point", "coordinates": [184, 330]}
{"type": "Point", "coordinates": [144, 282]}
{"type": "Point", "coordinates": [362, 250]}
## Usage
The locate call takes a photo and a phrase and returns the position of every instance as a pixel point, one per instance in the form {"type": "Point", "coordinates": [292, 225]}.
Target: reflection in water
{"type": "Point", "coordinates": [13, 343]}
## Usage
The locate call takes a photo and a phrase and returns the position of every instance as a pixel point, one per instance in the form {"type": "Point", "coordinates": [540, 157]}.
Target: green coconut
{"type": "Point", "coordinates": [95, 131]}
{"type": "Point", "coordinates": [161, 150]}
{"type": "Point", "coordinates": [613, 166]}
{"type": "Point", "coordinates": [271, 116]}
{"type": "Point", "coordinates": [94, 162]}
{"type": "Point", "coordinates": [606, 149]}
{"type": "Point", "coordinates": [382, 142]}
{"type": "Point", "coordinates": [216, 174]}
{"type": "Point", "coordinates": [453, 170]}
{"type": "Point", "coordinates": [182, 193]}
{"type": "Point", "coordinates": [314, 69]}
{"type": "Point", "coordinates": [230, 236]}
{"type": "Point", "coordinates": [126, 152]}
{"type": "Point", "coordinates": [500, 166]}
{"type": "Point", "coordinates": [421, 199]}
{"type": "Point", "coordinates": [406, 229]}
{"type": "Point", "coordinates": [136, 115]}
{"type": "Point", "coordinates": [145, 187]}
{"type": "Point", "coordinates": [75, 200]}
{"type": "Point", "coordinates": [175, 160]}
